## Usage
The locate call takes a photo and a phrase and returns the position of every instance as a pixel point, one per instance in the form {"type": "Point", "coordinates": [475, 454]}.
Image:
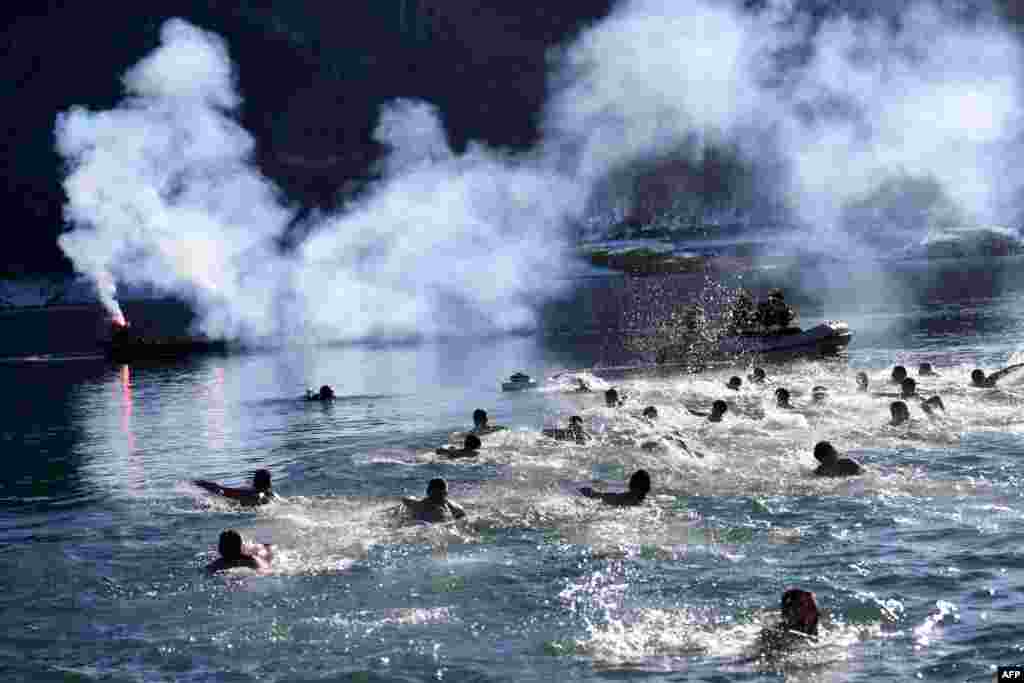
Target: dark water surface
{"type": "Point", "coordinates": [919, 564]}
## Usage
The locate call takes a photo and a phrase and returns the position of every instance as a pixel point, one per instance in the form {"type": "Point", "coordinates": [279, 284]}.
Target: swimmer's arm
{"type": "Point", "coordinates": [999, 374]}
{"type": "Point", "coordinates": [603, 497]}
{"type": "Point", "coordinates": [698, 413]}
{"type": "Point", "coordinates": [457, 511]}
{"type": "Point", "coordinates": [211, 486]}
{"type": "Point", "coordinates": [217, 565]}
{"type": "Point", "coordinates": [455, 454]}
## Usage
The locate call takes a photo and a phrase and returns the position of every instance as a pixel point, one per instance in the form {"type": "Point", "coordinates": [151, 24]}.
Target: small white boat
{"type": "Point", "coordinates": [518, 382]}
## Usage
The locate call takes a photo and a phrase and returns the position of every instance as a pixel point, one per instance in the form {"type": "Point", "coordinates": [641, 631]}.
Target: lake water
{"type": "Point", "coordinates": [918, 565]}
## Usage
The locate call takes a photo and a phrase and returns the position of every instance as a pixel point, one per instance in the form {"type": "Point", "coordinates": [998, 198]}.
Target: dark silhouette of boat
{"type": "Point", "coordinates": [828, 338]}
{"type": "Point", "coordinates": [125, 345]}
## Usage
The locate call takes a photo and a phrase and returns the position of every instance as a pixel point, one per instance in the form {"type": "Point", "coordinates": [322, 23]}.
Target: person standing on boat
{"type": "Point", "coordinates": [744, 315]}
{"type": "Point", "coordinates": [775, 314]}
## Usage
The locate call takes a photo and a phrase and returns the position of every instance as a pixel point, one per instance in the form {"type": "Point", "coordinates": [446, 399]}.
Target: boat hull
{"type": "Point", "coordinates": [825, 339]}
{"type": "Point", "coordinates": [518, 386]}
{"type": "Point", "coordinates": [161, 349]}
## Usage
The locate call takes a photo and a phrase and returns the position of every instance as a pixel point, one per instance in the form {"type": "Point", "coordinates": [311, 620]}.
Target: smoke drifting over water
{"type": "Point", "coordinates": [162, 190]}
{"type": "Point", "coordinates": [919, 92]}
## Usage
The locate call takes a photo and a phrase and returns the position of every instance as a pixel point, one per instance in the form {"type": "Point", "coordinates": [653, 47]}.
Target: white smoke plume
{"type": "Point", "coordinates": [919, 92]}
{"type": "Point", "coordinates": [162, 190]}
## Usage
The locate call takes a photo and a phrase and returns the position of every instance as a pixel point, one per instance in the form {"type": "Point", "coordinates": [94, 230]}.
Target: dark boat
{"type": "Point", "coordinates": [125, 345]}
{"type": "Point", "coordinates": [828, 338]}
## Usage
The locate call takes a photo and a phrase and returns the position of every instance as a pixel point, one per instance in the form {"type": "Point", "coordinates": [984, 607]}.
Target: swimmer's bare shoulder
{"type": "Point", "coordinates": [258, 557]}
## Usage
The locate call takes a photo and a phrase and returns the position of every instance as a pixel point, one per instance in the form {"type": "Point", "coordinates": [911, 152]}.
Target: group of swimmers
{"type": "Point", "coordinates": [799, 608]}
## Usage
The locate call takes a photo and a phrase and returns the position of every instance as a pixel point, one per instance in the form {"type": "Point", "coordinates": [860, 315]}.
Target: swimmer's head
{"type": "Point", "coordinates": [480, 417]}
{"type": "Point", "coordinates": [862, 381]}
{"type": "Point", "coordinates": [261, 480]}
{"type": "Point", "coordinates": [800, 611]}
{"type": "Point", "coordinates": [758, 375]}
{"type": "Point", "coordinates": [933, 403]}
{"type": "Point", "coordinates": [899, 411]}
{"type": "Point", "coordinates": [472, 442]}
{"type": "Point", "coordinates": [825, 453]}
{"type": "Point", "coordinates": [651, 413]}
{"type": "Point", "coordinates": [326, 392]}
{"type": "Point", "coordinates": [719, 408]}
{"type": "Point", "coordinates": [230, 544]}
{"type": "Point", "coordinates": [819, 394]}
{"type": "Point", "coordinates": [908, 388]}
{"type": "Point", "coordinates": [925, 369]}
{"type": "Point", "coordinates": [978, 377]}
{"type": "Point", "coordinates": [782, 397]}
{"type": "Point", "coordinates": [899, 373]}
{"type": "Point", "coordinates": [734, 383]}
{"type": "Point", "coordinates": [437, 489]}
{"type": "Point", "coordinates": [575, 422]}
{"type": "Point", "coordinates": [611, 398]}
{"type": "Point", "coordinates": [640, 482]}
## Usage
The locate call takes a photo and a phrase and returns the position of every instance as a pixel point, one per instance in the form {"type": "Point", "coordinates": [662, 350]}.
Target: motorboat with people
{"type": "Point", "coordinates": [827, 338]}
{"type": "Point", "coordinates": [519, 382]}
{"type": "Point", "coordinates": [770, 328]}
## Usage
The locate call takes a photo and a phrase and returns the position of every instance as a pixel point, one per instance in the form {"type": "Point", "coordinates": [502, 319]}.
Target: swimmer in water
{"type": "Point", "coordinates": [782, 398]}
{"type": "Point", "coordinates": [470, 448]}
{"type": "Point", "coordinates": [236, 553]}
{"type": "Point", "coordinates": [259, 493]}
{"type": "Point", "coordinates": [925, 370]}
{"type": "Point", "coordinates": [734, 383]}
{"type": "Point", "coordinates": [799, 624]}
{"type": "Point", "coordinates": [718, 409]}
{"type": "Point", "coordinates": [612, 399]}
{"type": "Point", "coordinates": [582, 387]}
{"type": "Point", "coordinates": [650, 414]}
{"type": "Point", "coordinates": [819, 394]}
{"type": "Point", "coordinates": [862, 381]}
{"type": "Point", "coordinates": [757, 377]}
{"type": "Point", "coordinates": [933, 405]}
{"type": "Point", "coordinates": [899, 373]}
{"type": "Point", "coordinates": [481, 424]}
{"type": "Point", "coordinates": [436, 507]}
{"type": "Point", "coordinates": [831, 464]}
{"type": "Point", "coordinates": [639, 487]}
{"type": "Point", "coordinates": [908, 388]}
{"type": "Point", "coordinates": [979, 379]}
{"type": "Point", "coordinates": [575, 432]}
{"type": "Point", "coordinates": [325, 394]}
{"type": "Point", "coordinates": [900, 413]}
